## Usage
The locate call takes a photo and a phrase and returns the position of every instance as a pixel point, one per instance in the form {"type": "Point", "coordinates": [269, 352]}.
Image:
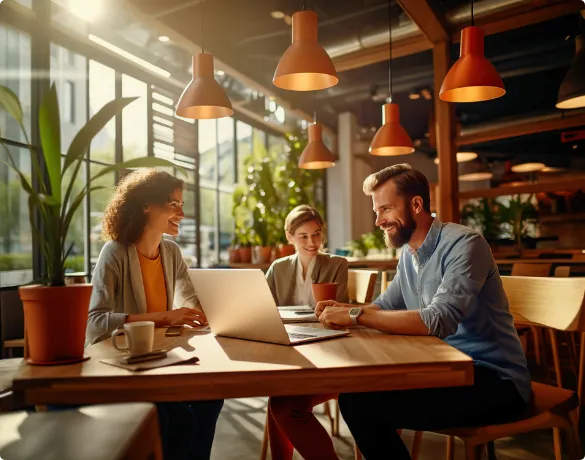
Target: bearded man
{"type": "Point", "coordinates": [447, 285]}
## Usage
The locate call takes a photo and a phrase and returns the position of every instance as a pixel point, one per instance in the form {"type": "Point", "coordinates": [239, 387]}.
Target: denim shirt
{"type": "Point", "coordinates": [453, 280]}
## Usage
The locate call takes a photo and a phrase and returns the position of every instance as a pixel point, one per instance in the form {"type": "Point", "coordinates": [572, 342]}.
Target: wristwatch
{"type": "Point", "coordinates": [354, 313]}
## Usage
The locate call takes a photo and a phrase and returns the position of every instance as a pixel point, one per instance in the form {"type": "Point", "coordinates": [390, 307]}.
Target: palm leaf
{"type": "Point", "coordinates": [9, 101]}
{"type": "Point", "coordinates": [82, 140]}
{"type": "Point", "coordinates": [50, 129]}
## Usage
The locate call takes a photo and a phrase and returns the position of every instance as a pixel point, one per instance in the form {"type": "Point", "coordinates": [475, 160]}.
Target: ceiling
{"type": "Point", "coordinates": [532, 60]}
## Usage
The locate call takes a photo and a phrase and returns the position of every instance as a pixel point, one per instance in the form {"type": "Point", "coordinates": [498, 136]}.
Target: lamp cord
{"type": "Point", "coordinates": [390, 61]}
{"type": "Point", "coordinates": [472, 19]}
{"type": "Point", "coordinates": [201, 27]}
{"type": "Point", "coordinates": [304, 5]}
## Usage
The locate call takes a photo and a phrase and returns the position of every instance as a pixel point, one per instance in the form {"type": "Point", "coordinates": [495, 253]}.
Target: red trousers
{"type": "Point", "coordinates": [292, 425]}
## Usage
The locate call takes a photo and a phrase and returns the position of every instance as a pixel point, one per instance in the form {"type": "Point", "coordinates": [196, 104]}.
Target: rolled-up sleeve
{"type": "Point", "coordinates": [392, 298]}
{"type": "Point", "coordinates": [466, 269]}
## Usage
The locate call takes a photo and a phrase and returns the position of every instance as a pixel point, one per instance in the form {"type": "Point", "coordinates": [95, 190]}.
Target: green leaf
{"type": "Point", "coordinates": [146, 162]}
{"type": "Point", "coordinates": [82, 140]}
{"type": "Point", "coordinates": [71, 211]}
{"type": "Point", "coordinates": [50, 129]}
{"type": "Point", "coordinates": [9, 101]}
{"type": "Point", "coordinates": [23, 179]}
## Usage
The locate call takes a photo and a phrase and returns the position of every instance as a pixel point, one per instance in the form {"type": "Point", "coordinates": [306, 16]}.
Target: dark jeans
{"type": "Point", "coordinates": [186, 428]}
{"type": "Point", "coordinates": [373, 418]}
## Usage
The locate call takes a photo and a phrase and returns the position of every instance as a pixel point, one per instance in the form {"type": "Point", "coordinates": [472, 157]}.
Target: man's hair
{"type": "Point", "coordinates": [124, 218]}
{"type": "Point", "coordinates": [409, 183]}
{"type": "Point", "coordinates": [300, 216]}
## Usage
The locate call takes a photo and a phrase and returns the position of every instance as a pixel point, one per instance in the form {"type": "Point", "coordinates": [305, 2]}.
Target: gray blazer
{"type": "Point", "coordinates": [118, 289]}
{"type": "Point", "coordinates": [282, 276]}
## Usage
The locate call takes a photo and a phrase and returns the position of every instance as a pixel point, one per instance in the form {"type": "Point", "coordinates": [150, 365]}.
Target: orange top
{"type": "Point", "coordinates": [153, 279]}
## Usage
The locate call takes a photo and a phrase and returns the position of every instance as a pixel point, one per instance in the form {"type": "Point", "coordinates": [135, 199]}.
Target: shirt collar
{"type": "Point", "coordinates": [430, 243]}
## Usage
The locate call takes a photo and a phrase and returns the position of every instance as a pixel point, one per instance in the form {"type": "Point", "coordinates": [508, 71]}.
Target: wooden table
{"type": "Point", "coordinates": [230, 368]}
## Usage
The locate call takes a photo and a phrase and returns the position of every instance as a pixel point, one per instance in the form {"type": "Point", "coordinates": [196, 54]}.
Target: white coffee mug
{"type": "Point", "coordinates": [139, 337]}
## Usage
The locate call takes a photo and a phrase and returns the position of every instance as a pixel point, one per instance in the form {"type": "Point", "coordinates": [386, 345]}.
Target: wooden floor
{"type": "Point", "coordinates": [241, 425]}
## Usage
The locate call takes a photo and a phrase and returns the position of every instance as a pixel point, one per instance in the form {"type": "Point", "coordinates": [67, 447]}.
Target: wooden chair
{"type": "Point", "coordinates": [107, 432]}
{"type": "Point", "coordinates": [579, 257]}
{"type": "Point", "coordinates": [562, 272]}
{"type": "Point", "coordinates": [521, 269]}
{"type": "Point", "coordinates": [361, 285]}
{"type": "Point", "coordinates": [557, 304]}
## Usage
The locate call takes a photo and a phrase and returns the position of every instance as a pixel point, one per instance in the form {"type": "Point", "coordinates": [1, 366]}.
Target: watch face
{"type": "Point", "coordinates": [355, 311]}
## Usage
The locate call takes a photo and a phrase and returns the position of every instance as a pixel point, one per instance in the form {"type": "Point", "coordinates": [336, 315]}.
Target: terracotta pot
{"type": "Point", "coordinates": [274, 254]}
{"type": "Point", "coordinates": [286, 250]}
{"type": "Point", "coordinates": [324, 291]}
{"type": "Point", "coordinates": [234, 255]}
{"type": "Point", "coordinates": [245, 255]}
{"type": "Point", "coordinates": [263, 254]}
{"type": "Point", "coordinates": [55, 319]}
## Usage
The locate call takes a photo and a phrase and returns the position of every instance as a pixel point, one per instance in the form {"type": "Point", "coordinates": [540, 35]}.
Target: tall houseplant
{"type": "Point", "coordinates": [55, 314]}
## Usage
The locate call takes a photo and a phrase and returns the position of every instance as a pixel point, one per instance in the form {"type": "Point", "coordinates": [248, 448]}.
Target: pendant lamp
{"type": "Point", "coordinates": [203, 98]}
{"type": "Point", "coordinates": [572, 89]}
{"type": "Point", "coordinates": [472, 78]}
{"type": "Point", "coordinates": [391, 139]}
{"type": "Point", "coordinates": [305, 65]}
{"type": "Point", "coordinates": [316, 154]}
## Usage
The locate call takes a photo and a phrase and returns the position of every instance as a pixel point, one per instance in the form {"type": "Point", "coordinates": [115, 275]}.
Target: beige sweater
{"type": "Point", "coordinates": [282, 275]}
{"type": "Point", "coordinates": [118, 289]}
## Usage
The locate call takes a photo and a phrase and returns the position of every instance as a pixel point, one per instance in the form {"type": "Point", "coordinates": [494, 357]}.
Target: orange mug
{"type": "Point", "coordinates": [324, 291]}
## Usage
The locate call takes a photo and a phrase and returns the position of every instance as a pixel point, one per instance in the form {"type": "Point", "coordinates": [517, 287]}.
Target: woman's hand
{"type": "Point", "coordinates": [184, 316]}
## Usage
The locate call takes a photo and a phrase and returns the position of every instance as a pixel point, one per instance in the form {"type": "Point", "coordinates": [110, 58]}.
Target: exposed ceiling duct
{"type": "Point", "coordinates": [407, 28]}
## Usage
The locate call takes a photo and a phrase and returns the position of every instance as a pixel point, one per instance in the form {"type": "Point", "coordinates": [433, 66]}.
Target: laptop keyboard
{"type": "Point", "coordinates": [296, 335]}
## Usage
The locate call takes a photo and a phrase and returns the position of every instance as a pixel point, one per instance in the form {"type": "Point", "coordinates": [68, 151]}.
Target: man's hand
{"type": "Point", "coordinates": [326, 303]}
{"type": "Point", "coordinates": [335, 317]}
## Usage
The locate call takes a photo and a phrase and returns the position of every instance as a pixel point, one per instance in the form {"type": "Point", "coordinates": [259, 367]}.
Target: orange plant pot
{"type": "Point", "coordinates": [245, 255]}
{"type": "Point", "coordinates": [286, 250]}
{"type": "Point", "coordinates": [234, 255]}
{"type": "Point", "coordinates": [263, 254]}
{"type": "Point", "coordinates": [324, 291]}
{"type": "Point", "coordinates": [55, 319]}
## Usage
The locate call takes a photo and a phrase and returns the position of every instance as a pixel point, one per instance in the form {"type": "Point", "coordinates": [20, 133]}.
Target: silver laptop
{"type": "Point", "coordinates": [238, 303]}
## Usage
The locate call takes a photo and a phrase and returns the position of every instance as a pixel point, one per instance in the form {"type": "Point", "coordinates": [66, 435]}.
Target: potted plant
{"type": "Point", "coordinates": [516, 218]}
{"type": "Point", "coordinates": [56, 314]}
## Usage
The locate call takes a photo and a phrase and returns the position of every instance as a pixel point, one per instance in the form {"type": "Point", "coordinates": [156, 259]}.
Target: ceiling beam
{"type": "Point", "coordinates": [498, 22]}
{"type": "Point", "coordinates": [433, 26]}
{"type": "Point", "coordinates": [523, 127]}
{"type": "Point", "coordinates": [372, 55]}
{"type": "Point", "coordinates": [521, 16]}
{"type": "Point", "coordinates": [539, 187]}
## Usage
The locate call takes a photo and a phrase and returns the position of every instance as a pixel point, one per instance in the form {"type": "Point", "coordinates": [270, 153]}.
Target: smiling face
{"type": "Point", "coordinates": [394, 214]}
{"type": "Point", "coordinates": [307, 238]}
{"type": "Point", "coordinates": [166, 218]}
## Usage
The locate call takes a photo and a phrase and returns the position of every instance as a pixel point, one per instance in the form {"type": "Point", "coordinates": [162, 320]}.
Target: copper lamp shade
{"type": "Point", "coordinates": [391, 139]}
{"type": "Point", "coordinates": [305, 65]}
{"type": "Point", "coordinates": [203, 98]}
{"type": "Point", "coordinates": [572, 89]}
{"type": "Point", "coordinates": [316, 154]}
{"type": "Point", "coordinates": [472, 78]}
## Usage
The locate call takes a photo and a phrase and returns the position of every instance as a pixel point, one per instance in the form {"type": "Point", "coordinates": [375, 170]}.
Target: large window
{"type": "Point", "coordinates": [134, 119]}
{"type": "Point", "coordinates": [15, 231]}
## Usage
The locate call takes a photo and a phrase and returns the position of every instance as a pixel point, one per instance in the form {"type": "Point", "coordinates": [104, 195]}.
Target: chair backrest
{"type": "Point", "coordinates": [521, 269]}
{"type": "Point", "coordinates": [557, 303]}
{"type": "Point", "coordinates": [360, 285]}
{"type": "Point", "coordinates": [579, 257]}
{"type": "Point", "coordinates": [563, 272]}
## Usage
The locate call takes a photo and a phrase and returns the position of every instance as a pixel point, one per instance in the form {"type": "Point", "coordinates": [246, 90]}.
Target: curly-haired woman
{"type": "Point", "coordinates": [139, 276]}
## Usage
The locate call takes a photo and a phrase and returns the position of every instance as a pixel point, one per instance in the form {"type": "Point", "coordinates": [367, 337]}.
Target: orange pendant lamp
{"type": "Point", "coordinates": [572, 89]}
{"type": "Point", "coordinates": [391, 138]}
{"type": "Point", "coordinates": [203, 98]}
{"type": "Point", "coordinates": [305, 65]}
{"type": "Point", "coordinates": [473, 78]}
{"type": "Point", "coordinates": [316, 154]}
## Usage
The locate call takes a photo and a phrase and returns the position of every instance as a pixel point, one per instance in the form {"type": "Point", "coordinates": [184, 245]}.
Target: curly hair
{"type": "Point", "coordinates": [124, 217]}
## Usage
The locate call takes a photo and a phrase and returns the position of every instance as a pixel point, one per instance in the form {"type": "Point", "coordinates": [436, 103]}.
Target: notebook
{"type": "Point", "coordinates": [297, 314]}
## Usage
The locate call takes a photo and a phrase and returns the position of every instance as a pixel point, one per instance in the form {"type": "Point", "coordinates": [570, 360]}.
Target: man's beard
{"type": "Point", "coordinates": [403, 232]}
